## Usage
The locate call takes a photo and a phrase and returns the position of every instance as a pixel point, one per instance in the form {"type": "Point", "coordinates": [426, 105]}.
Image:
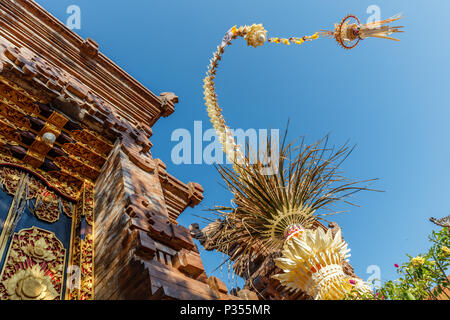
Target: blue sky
{"type": "Point", "coordinates": [389, 98]}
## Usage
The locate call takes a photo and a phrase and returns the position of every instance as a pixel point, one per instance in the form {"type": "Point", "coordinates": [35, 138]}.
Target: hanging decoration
{"type": "Point", "coordinates": [277, 213]}
{"type": "Point", "coordinates": [350, 31]}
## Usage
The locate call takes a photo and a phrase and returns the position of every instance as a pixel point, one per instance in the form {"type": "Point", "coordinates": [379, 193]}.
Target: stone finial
{"type": "Point", "coordinates": [168, 101]}
{"type": "Point", "coordinates": [169, 97]}
{"type": "Point", "coordinates": [195, 193]}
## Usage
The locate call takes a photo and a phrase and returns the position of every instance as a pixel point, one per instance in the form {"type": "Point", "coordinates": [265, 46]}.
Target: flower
{"type": "Point", "coordinates": [352, 281]}
{"type": "Point", "coordinates": [417, 261]}
{"type": "Point", "coordinates": [377, 295]}
{"type": "Point", "coordinates": [396, 265]}
{"type": "Point", "coordinates": [446, 250]}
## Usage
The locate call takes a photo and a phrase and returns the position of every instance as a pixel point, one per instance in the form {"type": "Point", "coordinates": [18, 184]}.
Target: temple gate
{"type": "Point", "coordinates": [85, 210]}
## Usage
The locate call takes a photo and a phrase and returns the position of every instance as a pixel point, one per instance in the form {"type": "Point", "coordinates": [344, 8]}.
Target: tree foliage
{"type": "Point", "coordinates": [423, 277]}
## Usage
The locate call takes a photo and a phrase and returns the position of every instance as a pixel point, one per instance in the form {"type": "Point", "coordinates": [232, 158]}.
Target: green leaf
{"type": "Point", "coordinates": [409, 295]}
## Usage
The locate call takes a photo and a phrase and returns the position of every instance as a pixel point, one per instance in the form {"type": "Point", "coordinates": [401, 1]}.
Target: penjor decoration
{"type": "Point", "coordinates": [277, 213]}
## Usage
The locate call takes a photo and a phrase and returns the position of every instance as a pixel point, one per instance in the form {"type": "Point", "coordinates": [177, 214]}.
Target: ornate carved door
{"type": "Point", "coordinates": [35, 237]}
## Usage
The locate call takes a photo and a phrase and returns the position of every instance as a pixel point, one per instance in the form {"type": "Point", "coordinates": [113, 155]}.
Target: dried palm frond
{"type": "Point", "coordinates": [306, 186]}
{"type": "Point", "coordinates": [381, 29]}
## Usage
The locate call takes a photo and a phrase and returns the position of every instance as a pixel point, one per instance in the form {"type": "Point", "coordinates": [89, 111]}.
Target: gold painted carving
{"type": "Point", "coordinates": [87, 268]}
{"type": "Point", "coordinates": [88, 202]}
{"type": "Point", "coordinates": [73, 292]}
{"type": "Point", "coordinates": [11, 96]}
{"type": "Point", "coordinates": [30, 284]}
{"type": "Point", "coordinates": [9, 178]}
{"type": "Point", "coordinates": [34, 267]}
{"type": "Point", "coordinates": [92, 140]}
{"type": "Point", "coordinates": [57, 120]}
{"type": "Point", "coordinates": [33, 158]}
{"type": "Point", "coordinates": [86, 157]}
{"type": "Point", "coordinates": [48, 204]}
{"type": "Point", "coordinates": [65, 183]}
{"type": "Point", "coordinates": [77, 167]}
{"type": "Point", "coordinates": [83, 257]}
{"type": "Point", "coordinates": [83, 153]}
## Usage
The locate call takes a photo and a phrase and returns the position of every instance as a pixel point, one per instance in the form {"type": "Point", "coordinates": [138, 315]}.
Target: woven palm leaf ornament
{"type": "Point", "coordinates": [276, 213]}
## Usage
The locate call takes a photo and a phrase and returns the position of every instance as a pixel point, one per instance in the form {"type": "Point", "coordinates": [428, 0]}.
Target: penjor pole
{"type": "Point", "coordinates": [277, 213]}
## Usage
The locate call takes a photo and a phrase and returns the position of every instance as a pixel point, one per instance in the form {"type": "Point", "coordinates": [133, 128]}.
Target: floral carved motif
{"type": "Point", "coordinates": [88, 203]}
{"type": "Point", "coordinates": [66, 184]}
{"type": "Point", "coordinates": [48, 204]}
{"type": "Point", "coordinates": [87, 268]}
{"type": "Point", "coordinates": [82, 255]}
{"type": "Point", "coordinates": [34, 267]}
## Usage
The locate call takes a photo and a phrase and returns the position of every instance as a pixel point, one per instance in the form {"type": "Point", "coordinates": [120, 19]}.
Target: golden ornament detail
{"type": "Point", "coordinates": [39, 250]}
{"type": "Point", "coordinates": [30, 284]}
{"type": "Point", "coordinates": [47, 205]}
{"type": "Point", "coordinates": [34, 267]}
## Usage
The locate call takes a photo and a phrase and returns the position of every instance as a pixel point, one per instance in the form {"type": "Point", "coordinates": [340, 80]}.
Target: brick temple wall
{"type": "Point", "coordinates": [140, 251]}
{"type": "Point", "coordinates": [112, 235]}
